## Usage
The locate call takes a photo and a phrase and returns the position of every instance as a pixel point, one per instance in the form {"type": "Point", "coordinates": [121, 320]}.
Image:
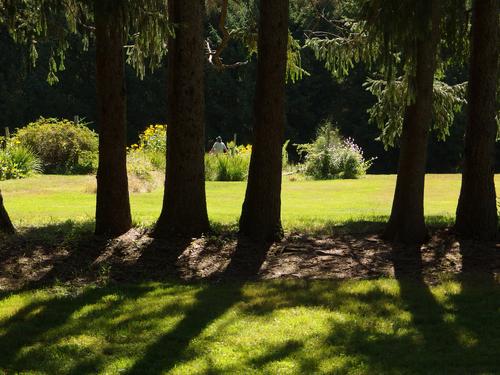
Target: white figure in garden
{"type": "Point", "coordinates": [219, 147]}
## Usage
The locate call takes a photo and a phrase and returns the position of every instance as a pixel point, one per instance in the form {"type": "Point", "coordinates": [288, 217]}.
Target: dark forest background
{"type": "Point", "coordinates": [25, 95]}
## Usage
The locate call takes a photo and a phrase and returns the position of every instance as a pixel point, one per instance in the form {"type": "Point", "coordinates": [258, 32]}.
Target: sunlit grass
{"type": "Point", "coordinates": [271, 327]}
{"type": "Point", "coordinates": [306, 204]}
{"type": "Point", "coordinates": [285, 327]}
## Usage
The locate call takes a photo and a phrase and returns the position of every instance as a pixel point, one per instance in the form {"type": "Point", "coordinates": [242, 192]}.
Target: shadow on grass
{"type": "Point", "coordinates": [39, 323]}
{"type": "Point", "coordinates": [465, 341]}
{"type": "Point", "coordinates": [211, 303]}
{"type": "Point", "coordinates": [370, 330]}
{"type": "Point", "coordinates": [34, 323]}
{"type": "Point", "coordinates": [450, 332]}
{"type": "Point", "coordinates": [66, 232]}
{"type": "Point", "coordinates": [375, 224]}
{"type": "Point", "coordinates": [427, 314]}
{"type": "Point", "coordinates": [170, 349]}
{"type": "Point", "coordinates": [480, 295]}
{"type": "Point", "coordinates": [455, 333]}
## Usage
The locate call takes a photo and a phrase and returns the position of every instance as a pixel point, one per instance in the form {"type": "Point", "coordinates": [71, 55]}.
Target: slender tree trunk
{"type": "Point", "coordinates": [260, 217]}
{"type": "Point", "coordinates": [477, 212]}
{"type": "Point", "coordinates": [5, 223]}
{"type": "Point", "coordinates": [184, 209]}
{"type": "Point", "coordinates": [113, 207]}
{"type": "Point", "coordinates": [407, 223]}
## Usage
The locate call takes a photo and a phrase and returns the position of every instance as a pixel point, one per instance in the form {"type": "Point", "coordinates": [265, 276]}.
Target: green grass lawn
{"type": "Point", "coordinates": [385, 326]}
{"type": "Point", "coordinates": [280, 327]}
{"type": "Point", "coordinates": [306, 204]}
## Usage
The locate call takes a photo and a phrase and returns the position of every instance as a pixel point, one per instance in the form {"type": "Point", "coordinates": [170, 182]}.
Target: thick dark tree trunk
{"type": "Point", "coordinates": [5, 223]}
{"type": "Point", "coordinates": [260, 217]}
{"type": "Point", "coordinates": [407, 223]}
{"type": "Point", "coordinates": [477, 212]}
{"type": "Point", "coordinates": [184, 211]}
{"type": "Point", "coordinates": [113, 207]}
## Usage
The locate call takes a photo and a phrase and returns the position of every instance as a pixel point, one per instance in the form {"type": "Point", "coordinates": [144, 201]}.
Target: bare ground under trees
{"type": "Point", "coordinates": [35, 258]}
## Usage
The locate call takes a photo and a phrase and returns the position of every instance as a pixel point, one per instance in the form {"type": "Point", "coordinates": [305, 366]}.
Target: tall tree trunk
{"type": "Point", "coordinates": [113, 207]}
{"type": "Point", "coordinates": [5, 223]}
{"type": "Point", "coordinates": [477, 212]}
{"type": "Point", "coordinates": [184, 209]}
{"type": "Point", "coordinates": [260, 217]}
{"type": "Point", "coordinates": [407, 222]}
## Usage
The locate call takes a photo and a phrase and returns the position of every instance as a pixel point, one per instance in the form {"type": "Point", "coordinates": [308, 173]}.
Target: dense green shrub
{"type": "Point", "coordinates": [17, 161]}
{"type": "Point", "coordinates": [62, 146]}
{"type": "Point", "coordinates": [230, 166]}
{"type": "Point", "coordinates": [87, 163]}
{"type": "Point", "coordinates": [330, 156]}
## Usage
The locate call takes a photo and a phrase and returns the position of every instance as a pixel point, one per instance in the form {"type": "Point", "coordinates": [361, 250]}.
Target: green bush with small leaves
{"type": "Point", "coordinates": [87, 163]}
{"type": "Point", "coordinates": [62, 146]}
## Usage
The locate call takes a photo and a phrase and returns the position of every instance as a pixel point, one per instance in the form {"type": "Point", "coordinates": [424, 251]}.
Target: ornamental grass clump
{"type": "Point", "coordinates": [230, 166]}
{"type": "Point", "coordinates": [17, 161]}
{"type": "Point", "coordinates": [331, 156]}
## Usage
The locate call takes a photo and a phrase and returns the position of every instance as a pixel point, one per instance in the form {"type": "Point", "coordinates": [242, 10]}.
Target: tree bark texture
{"type": "Point", "coordinates": [5, 222]}
{"type": "Point", "coordinates": [184, 211]}
{"type": "Point", "coordinates": [112, 207]}
{"type": "Point", "coordinates": [477, 216]}
{"type": "Point", "coordinates": [260, 217]}
{"type": "Point", "coordinates": [407, 223]}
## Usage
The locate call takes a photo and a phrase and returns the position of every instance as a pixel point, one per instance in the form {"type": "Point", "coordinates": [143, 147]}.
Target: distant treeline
{"type": "Point", "coordinates": [25, 95]}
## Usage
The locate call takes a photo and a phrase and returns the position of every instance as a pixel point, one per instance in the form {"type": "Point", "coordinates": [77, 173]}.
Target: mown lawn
{"type": "Point", "coordinates": [306, 204]}
{"type": "Point", "coordinates": [280, 327]}
{"type": "Point", "coordinates": [384, 326]}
